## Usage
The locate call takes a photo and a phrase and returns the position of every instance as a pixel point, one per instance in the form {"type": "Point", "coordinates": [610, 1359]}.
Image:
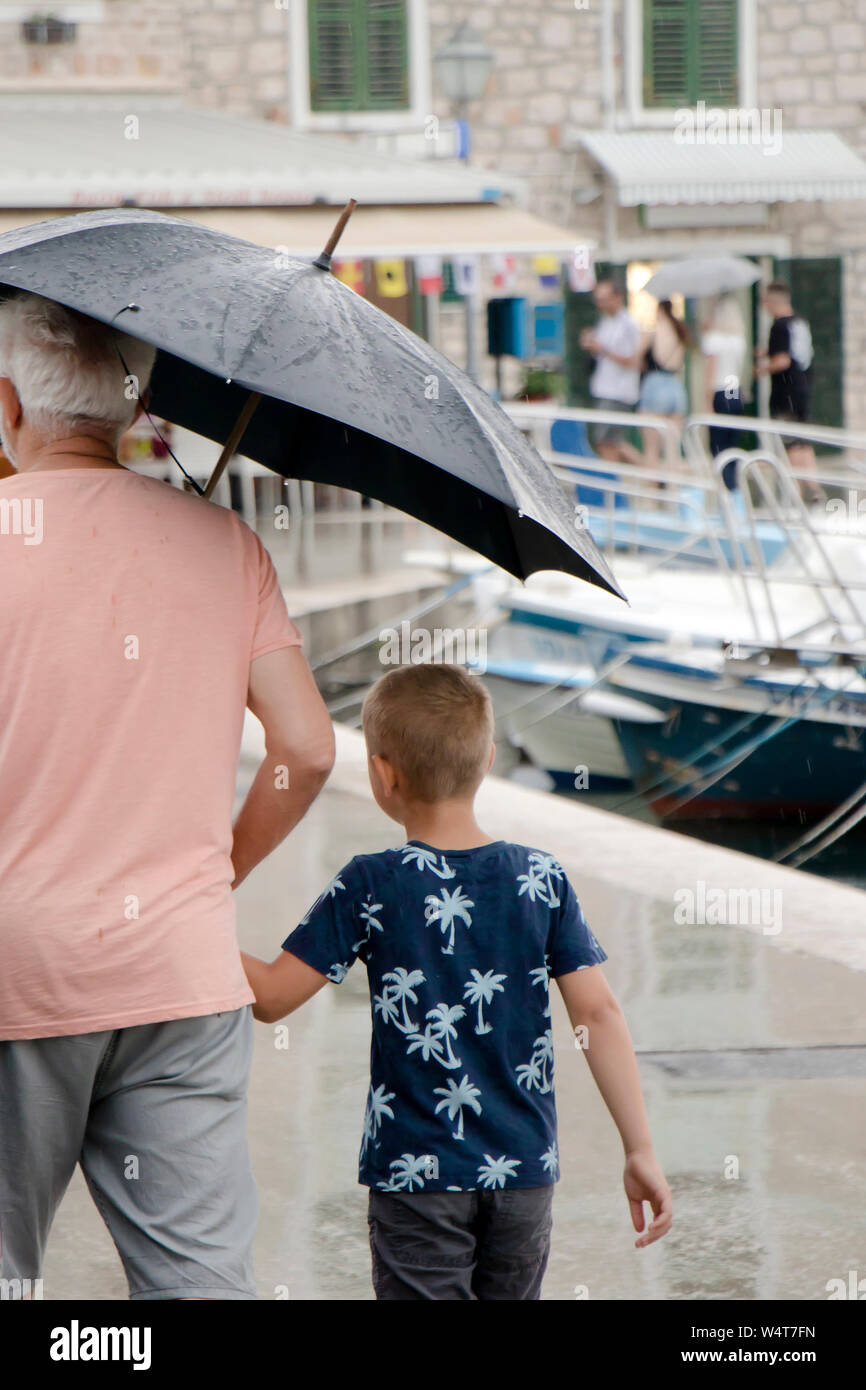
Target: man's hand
{"type": "Point", "coordinates": [590, 343]}
{"type": "Point", "coordinates": [644, 1181]}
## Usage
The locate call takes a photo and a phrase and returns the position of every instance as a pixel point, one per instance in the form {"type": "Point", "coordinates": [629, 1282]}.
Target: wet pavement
{"type": "Point", "coordinates": [752, 1056]}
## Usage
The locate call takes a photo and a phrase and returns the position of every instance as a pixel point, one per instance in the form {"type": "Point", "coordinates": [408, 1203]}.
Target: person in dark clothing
{"type": "Point", "coordinates": [788, 363]}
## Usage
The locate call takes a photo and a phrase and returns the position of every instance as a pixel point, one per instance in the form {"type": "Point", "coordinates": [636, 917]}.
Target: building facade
{"type": "Point", "coordinates": [789, 79]}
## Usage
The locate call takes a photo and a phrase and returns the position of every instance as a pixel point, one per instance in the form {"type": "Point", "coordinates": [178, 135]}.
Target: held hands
{"type": "Point", "coordinates": [644, 1181]}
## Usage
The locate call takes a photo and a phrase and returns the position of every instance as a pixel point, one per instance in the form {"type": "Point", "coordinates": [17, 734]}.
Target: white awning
{"type": "Point", "coordinates": [61, 151]}
{"type": "Point", "coordinates": [658, 169]}
{"type": "Point", "coordinates": [458, 229]}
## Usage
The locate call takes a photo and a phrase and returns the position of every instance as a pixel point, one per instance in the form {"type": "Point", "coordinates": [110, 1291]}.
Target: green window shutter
{"type": "Point", "coordinates": [717, 75]}
{"type": "Point", "coordinates": [333, 54]}
{"type": "Point", "coordinates": [359, 55]}
{"type": "Point", "coordinates": [690, 52]}
{"type": "Point", "coordinates": [666, 33]}
{"type": "Point", "coordinates": [387, 55]}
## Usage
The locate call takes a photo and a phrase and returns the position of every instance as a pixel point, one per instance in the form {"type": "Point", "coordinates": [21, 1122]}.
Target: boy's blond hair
{"type": "Point", "coordinates": [434, 723]}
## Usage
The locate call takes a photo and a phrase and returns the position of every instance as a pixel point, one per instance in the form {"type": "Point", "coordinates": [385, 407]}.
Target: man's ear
{"type": "Point", "coordinates": [10, 403]}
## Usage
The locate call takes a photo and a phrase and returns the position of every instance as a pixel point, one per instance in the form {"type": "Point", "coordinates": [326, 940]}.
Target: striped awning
{"type": "Point", "coordinates": [763, 165]}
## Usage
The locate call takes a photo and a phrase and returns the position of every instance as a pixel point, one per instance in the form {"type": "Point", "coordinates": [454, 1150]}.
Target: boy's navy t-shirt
{"type": "Point", "coordinates": [460, 948]}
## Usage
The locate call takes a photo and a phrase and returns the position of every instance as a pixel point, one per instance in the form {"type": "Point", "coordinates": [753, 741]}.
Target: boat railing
{"type": "Point", "coordinates": [771, 434]}
{"type": "Point", "coordinates": [681, 512]}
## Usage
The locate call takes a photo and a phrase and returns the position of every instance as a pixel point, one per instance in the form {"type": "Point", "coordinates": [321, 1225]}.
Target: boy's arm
{"type": "Point", "coordinates": [280, 986]}
{"type": "Point", "coordinates": [610, 1055]}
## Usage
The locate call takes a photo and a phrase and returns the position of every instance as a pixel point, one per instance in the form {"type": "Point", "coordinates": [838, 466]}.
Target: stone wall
{"type": "Point", "coordinates": [133, 45]}
{"type": "Point", "coordinates": [233, 55]}
{"type": "Point", "coordinates": [237, 56]}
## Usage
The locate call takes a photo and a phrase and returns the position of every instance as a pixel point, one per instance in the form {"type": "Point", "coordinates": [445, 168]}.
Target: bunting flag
{"type": "Point", "coordinates": [503, 269]}
{"type": "Point", "coordinates": [581, 270]}
{"type": "Point", "coordinates": [467, 277]}
{"type": "Point", "coordinates": [428, 274]}
{"type": "Point", "coordinates": [351, 272]}
{"type": "Point", "coordinates": [546, 267]}
{"type": "Point", "coordinates": [391, 278]}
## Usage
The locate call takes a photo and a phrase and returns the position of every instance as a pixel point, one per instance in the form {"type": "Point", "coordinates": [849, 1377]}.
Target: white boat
{"type": "Point", "coordinates": [548, 702]}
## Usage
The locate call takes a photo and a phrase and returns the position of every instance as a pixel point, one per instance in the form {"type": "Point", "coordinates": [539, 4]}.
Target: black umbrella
{"type": "Point", "coordinates": [341, 393]}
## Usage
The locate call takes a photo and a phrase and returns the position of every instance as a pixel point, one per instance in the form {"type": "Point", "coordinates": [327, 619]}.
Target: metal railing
{"type": "Point", "coordinates": [681, 513]}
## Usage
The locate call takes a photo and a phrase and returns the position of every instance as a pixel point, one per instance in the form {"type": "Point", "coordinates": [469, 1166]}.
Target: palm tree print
{"type": "Point", "coordinates": [537, 1073]}
{"type": "Point", "coordinates": [455, 1097]}
{"type": "Point", "coordinates": [539, 881]}
{"type": "Point", "coordinates": [541, 976]}
{"type": "Point", "coordinates": [331, 891]}
{"type": "Point", "coordinates": [400, 987]}
{"type": "Point", "coordinates": [406, 1171]}
{"type": "Point", "coordinates": [480, 990]}
{"type": "Point", "coordinates": [447, 910]}
{"type": "Point", "coordinates": [386, 1005]}
{"type": "Point", "coordinates": [367, 914]}
{"type": "Point", "coordinates": [426, 859]}
{"type": "Point", "coordinates": [494, 1171]}
{"type": "Point", "coordinates": [377, 1109]}
{"type": "Point", "coordinates": [428, 1043]}
{"type": "Point", "coordinates": [435, 1041]}
{"type": "Point", "coordinates": [550, 1159]}
{"type": "Point", "coordinates": [529, 1073]}
{"type": "Point", "coordinates": [338, 972]}
{"type": "Point", "coordinates": [443, 1019]}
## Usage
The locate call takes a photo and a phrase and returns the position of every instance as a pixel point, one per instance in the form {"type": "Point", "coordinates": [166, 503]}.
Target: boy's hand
{"type": "Point", "coordinates": [281, 986]}
{"type": "Point", "coordinates": [644, 1181]}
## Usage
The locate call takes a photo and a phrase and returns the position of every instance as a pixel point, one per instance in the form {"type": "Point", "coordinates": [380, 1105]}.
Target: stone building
{"type": "Point", "coordinates": [651, 128]}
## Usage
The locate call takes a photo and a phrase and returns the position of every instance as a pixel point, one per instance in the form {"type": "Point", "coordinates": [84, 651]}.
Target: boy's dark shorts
{"type": "Point", "coordinates": [484, 1244]}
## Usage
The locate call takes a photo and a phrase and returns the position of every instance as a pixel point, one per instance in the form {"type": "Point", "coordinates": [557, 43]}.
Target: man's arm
{"type": "Point", "coordinates": [609, 1052]}
{"type": "Point", "coordinates": [771, 366]}
{"type": "Point", "coordinates": [280, 986]}
{"type": "Point", "coordinates": [299, 738]}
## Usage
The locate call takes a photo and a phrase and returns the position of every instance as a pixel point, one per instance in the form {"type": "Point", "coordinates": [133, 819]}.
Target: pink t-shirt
{"type": "Point", "coordinates": [129, 614]}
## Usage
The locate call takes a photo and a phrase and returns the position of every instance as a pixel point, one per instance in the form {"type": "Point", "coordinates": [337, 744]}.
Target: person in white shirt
{"type": "Point", "coordinates": [615, 343]}
{"type": "Point", "coordinates": [724, 347]}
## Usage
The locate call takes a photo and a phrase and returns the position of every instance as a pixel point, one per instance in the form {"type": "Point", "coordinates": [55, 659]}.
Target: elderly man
{"type": "Point", "coordinates": [136, 623]}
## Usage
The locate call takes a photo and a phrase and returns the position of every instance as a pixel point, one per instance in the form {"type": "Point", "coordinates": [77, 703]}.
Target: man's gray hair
{"type": "Point", "coordinates": [67, 370]}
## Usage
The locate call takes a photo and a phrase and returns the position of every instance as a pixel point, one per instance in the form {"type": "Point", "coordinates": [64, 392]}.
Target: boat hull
{"type": "Point", "coordinates": [797, 775]}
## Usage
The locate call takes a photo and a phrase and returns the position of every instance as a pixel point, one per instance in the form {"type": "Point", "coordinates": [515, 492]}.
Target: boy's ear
{"type": "Point", "coordinates": [385, 773]}
{"type": "Point", "coordinates": [492, 758]}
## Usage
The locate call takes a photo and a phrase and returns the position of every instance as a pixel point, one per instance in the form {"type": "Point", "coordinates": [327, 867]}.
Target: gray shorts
{"type": "Point", "coordinates": [482, 1245]}
{"type": "Point", "coordinates": [156, 1116]}
{"type": "Point", "coordinates": [609, 434]}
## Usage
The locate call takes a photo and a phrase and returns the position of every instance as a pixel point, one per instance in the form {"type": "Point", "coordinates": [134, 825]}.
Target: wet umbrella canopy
{"type": "Point", "coordinates": [349, 396]}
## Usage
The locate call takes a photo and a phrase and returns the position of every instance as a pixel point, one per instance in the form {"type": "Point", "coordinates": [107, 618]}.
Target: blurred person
{"type": "Point", "coordinates": [662, 390]}
{"type": "Point", "coordinates": [615, 382]}
{"type": "Point", "coordinates": [137, 622]}
{"type": "Point", "coordinates": [788, 363]}
{"type": "Point", "coordinates": [723, 344]}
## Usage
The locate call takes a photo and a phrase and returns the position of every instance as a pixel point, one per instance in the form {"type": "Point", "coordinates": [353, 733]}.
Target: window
{"type": "Point", "coordinates": [359, 55]}
{"type": "Point", "coordinates": [690, 52]}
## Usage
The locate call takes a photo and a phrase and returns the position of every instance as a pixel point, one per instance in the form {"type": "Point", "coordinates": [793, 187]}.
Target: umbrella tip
{"type": "Point", "coordinates": [323, 260]}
